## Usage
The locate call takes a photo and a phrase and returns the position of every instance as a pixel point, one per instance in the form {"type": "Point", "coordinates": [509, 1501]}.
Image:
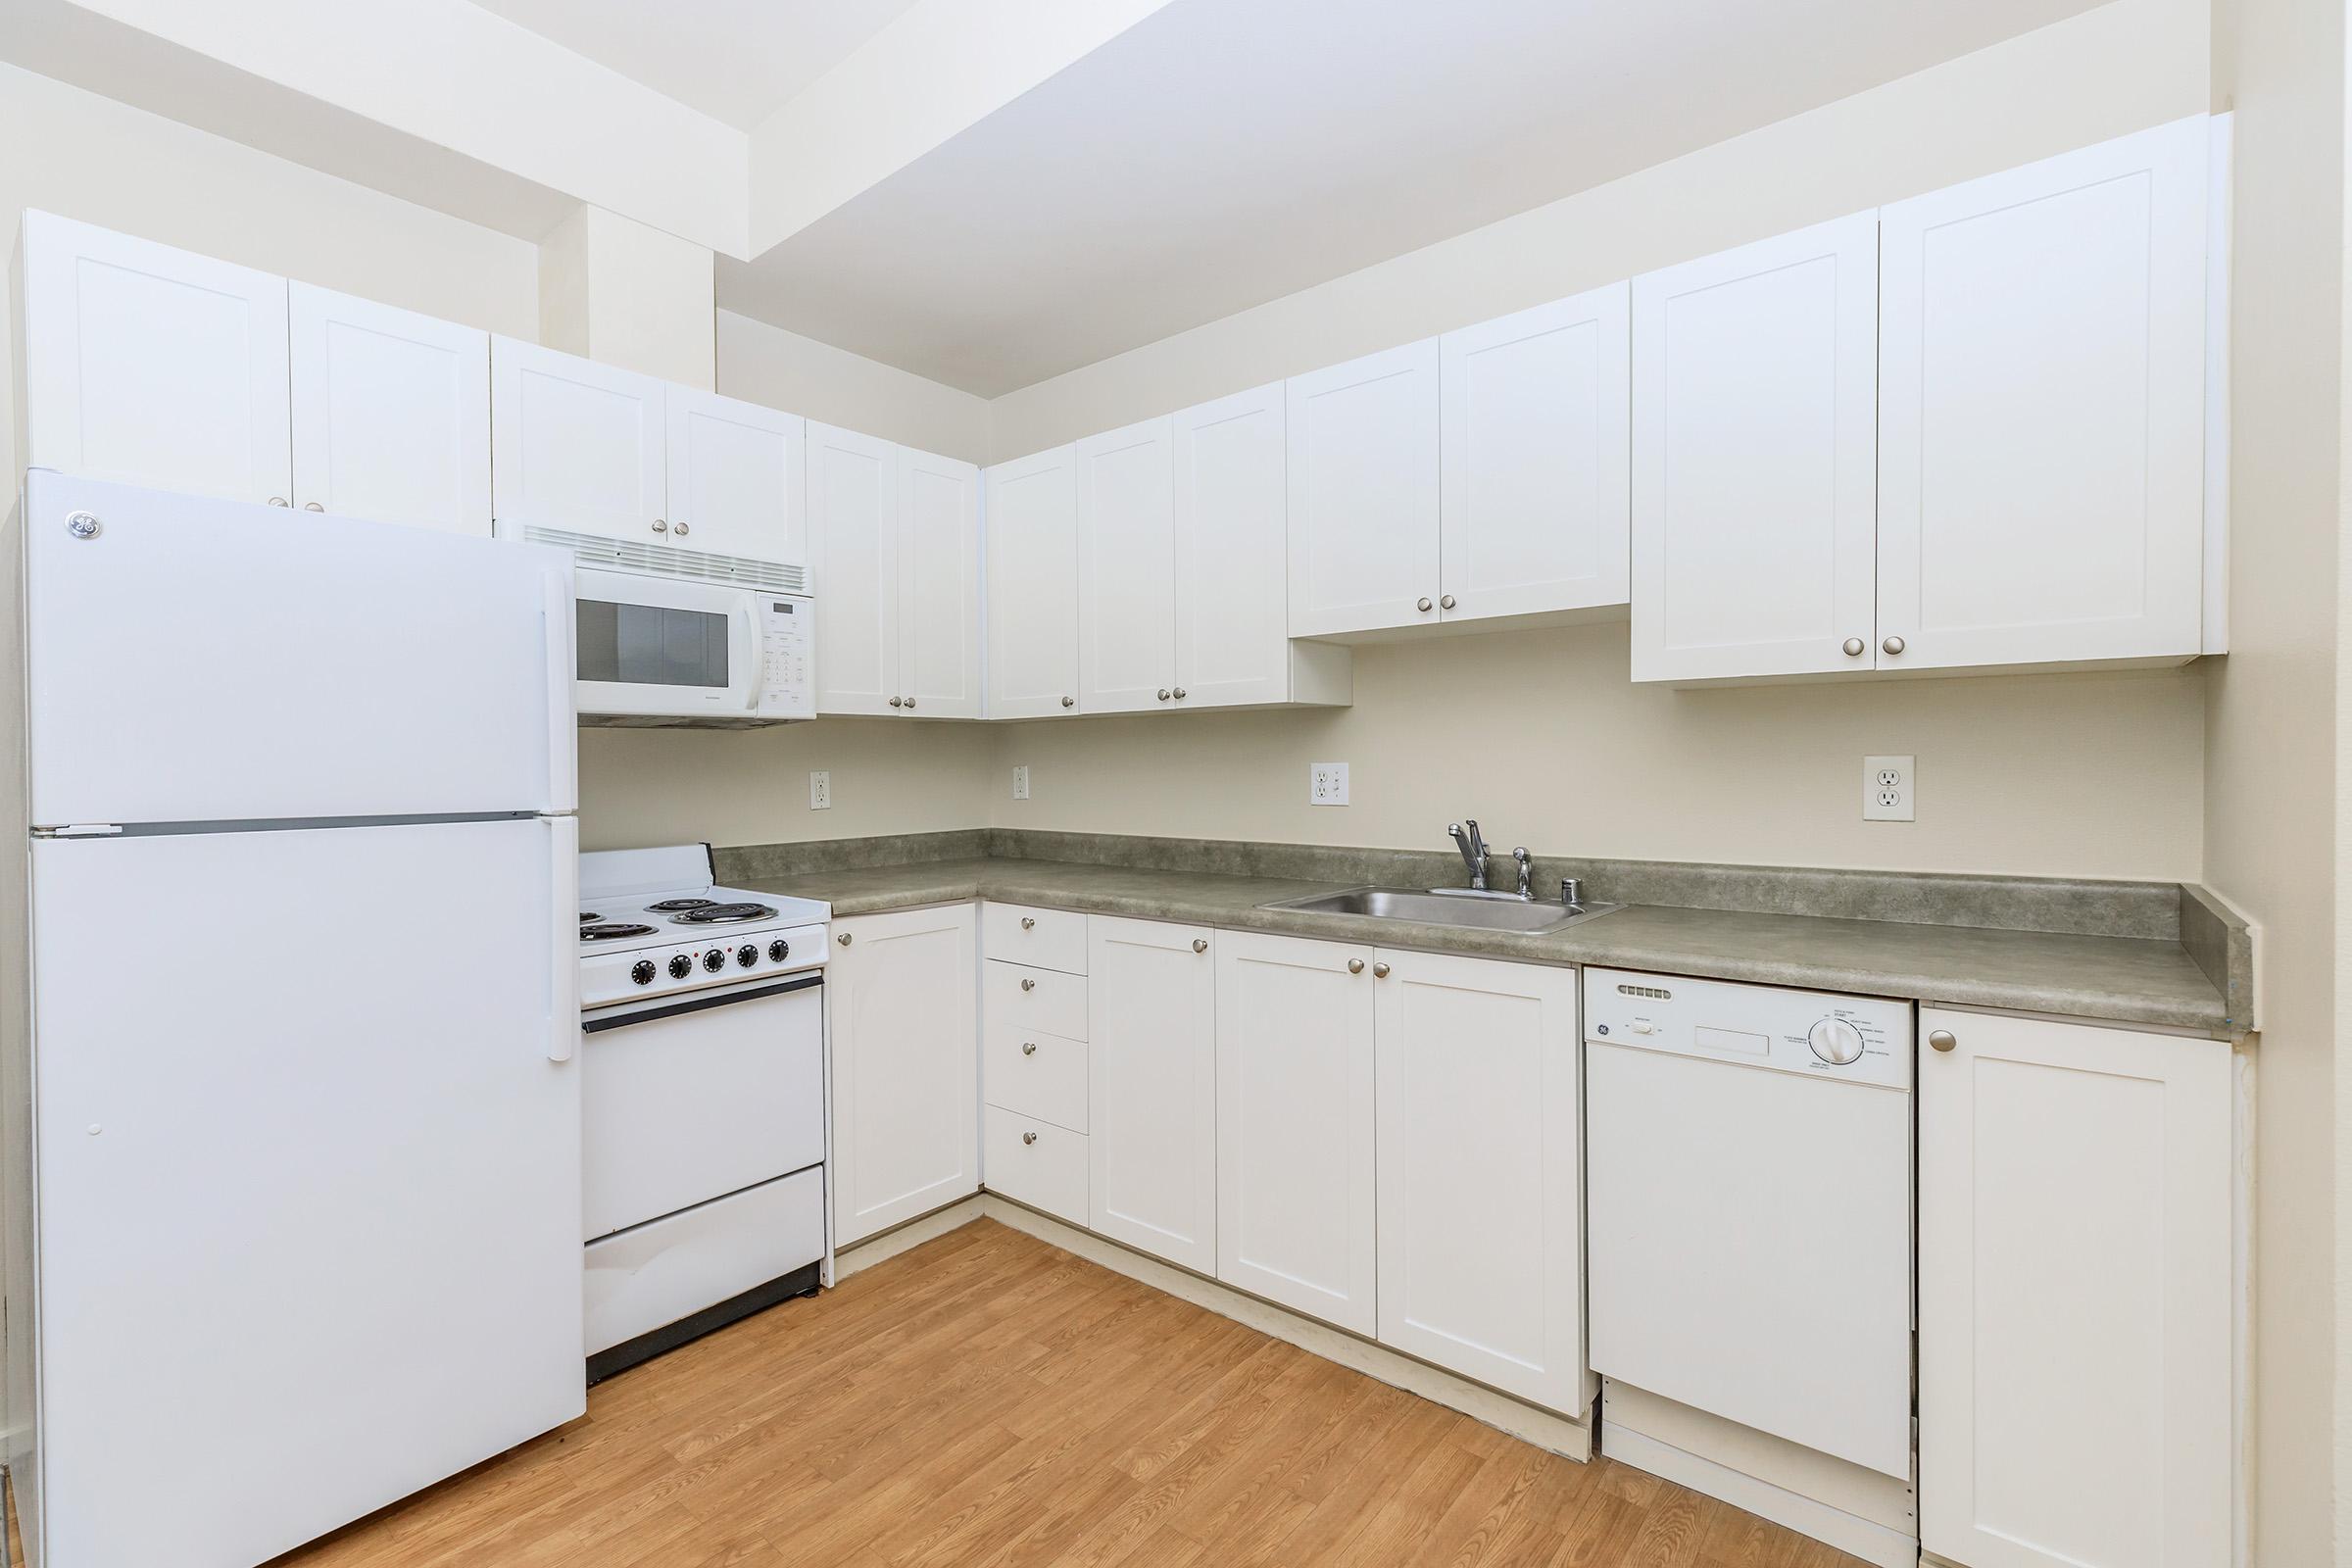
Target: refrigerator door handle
{"type": "Point", "coordinates": [562, 708]}
{"type": "Point", "coordinates": [564, 958]}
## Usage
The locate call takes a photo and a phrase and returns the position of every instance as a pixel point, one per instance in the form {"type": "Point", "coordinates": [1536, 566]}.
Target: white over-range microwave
{"type": "Point", "coordinates": [657, 649]}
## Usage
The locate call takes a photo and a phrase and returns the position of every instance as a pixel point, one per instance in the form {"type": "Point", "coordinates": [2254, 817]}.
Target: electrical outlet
{"type": "Point", "coordinates": [1887, 787]}
{"type": "Point", "coordinates": [820, 791]}
{"type": "Point", "coordinates": [1327, 784]}
{"type": "Point", "coordinates": [1021, 783]}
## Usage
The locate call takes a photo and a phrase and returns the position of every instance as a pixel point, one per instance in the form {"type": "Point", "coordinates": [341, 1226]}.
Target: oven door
{"type": "Point", "coordinates": [687, 1099]}
{"type": "Point", "coordinates": [651, 646]}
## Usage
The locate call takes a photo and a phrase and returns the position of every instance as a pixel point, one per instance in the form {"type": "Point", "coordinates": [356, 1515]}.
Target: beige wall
{"type": "Point", "coordinates": [2274, 774]}
{"type": "Point", "coordinates": [763, 363]}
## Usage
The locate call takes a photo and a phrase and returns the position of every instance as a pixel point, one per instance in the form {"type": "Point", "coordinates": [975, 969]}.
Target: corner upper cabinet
{"type": "Point", "coordinates": [1754, 459]}
{"type": "Point", "coordinates": [738, 483]}
{"type": "Point", "coordinates": [1127, 569]}
{"type": "Point", "coordinates": [894, 551]}
{"type": "Point", "coordinates": [1535, 485]}
{"type": "Point", "coordinates": [150, 365]}
{"type": "Point", "coordinates": [1032, 511]}
{"type": "Point", "coordinates": [391, 413]}
{"type": "Point", "coordinates": [1364, 494]}
{"type": "Point", "coordinates": [2041, 411]}
{"type": "Point", "coordinates": [576, 447]}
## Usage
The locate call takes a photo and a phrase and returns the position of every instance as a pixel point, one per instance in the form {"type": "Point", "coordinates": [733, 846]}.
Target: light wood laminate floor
{"type": "Point", "coordinates": [986, 1399]}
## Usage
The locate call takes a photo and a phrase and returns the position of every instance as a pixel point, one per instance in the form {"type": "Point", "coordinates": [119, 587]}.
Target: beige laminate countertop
{"type": "Point", "coordinates": [2123, 980]}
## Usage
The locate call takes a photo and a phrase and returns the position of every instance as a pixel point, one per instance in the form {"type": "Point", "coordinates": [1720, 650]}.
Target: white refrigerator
{"type": "Point", "coordinates": [297, 1229]}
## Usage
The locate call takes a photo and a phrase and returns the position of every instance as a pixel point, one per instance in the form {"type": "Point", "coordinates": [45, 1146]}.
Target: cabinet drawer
{"type": "Point", "coordinates": [1050, 939]}
{"type": "Point", "coordinates": [1035, 1074]}
{"type": "Point", "coordinates": [1035, 1163]}
{"type": "Point", "coordinates": [1014, 996]}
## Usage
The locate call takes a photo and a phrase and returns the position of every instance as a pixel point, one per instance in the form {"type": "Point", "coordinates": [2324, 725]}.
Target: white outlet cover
{"type": "Point", "coordinates": [1889, 786]}
{"type": "Point", "coordinates": [1327, 784]}
{"type": "Point", "coordinates": [1021, 783]}
{"type": "Point", "coordinates": [820, 790]}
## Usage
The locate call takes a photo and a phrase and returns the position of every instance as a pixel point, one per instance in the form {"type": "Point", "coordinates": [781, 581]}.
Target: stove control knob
{"type": "Point", "coordinates": [716, 959]}
{"type": "Point", "coordinates": [778, 950]}
{"type": "Point", "coordinates": [1835, 1041]}
{"type": "Point", "coordinates": [746, 954]}
{"type": "Point", "coordinates": [642, 972]}
{"type": "Point", "coordinates": [680, 966]}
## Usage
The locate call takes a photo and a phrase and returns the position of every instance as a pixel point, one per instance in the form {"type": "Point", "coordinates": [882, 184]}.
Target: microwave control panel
{"type": "Point", "coordinates": [787, 657]}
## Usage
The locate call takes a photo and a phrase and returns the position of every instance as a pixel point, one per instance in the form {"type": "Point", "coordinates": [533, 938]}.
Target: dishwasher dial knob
{"type": "Point", "coordinates": [642, 972]}
{"type": "Point", "coordinates": [716, 959]}
{"type": "Point", "coordinates": [778, 950]}
{"type": "Point", "coordinates": [746, 954]}
{"type": "Point", "coordinates": [1835, 1041]}
{"type": "Point", "coordinates": [680, 966]}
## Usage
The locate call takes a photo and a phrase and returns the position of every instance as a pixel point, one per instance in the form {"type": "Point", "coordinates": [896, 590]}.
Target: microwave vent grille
{"type": "Point", "coordinates": [671, 560]}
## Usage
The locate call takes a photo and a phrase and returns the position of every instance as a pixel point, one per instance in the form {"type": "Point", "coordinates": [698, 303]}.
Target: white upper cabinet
{"type": "Point", "coordinates": [1754, 440]}
{"type": "Point", "coordinates": [1153, 1120]}
{"type": "Point", "coordinates": [391, 413]}
{"type": "Point", "coordinates": [1127, 569]}
{"type": "Point", "coordinates": [578, 447]}
{"type": "Point", "coordinates": [939, 584]}
{"type": "Point", "coordinates": [736, 477]}
{"type": "Point", "coordinates": [853, 571]}
{"type": "Point", "coordinates": [2041, 408]}
{"type": "Point", "coordinates": [1536, 498]}
{"type": "Point", "coordinates": [1232, 610]}
{"type": "Point", "coordinates": [1033, 586]}
{"type": "Point", "coordinates": [153, 366]}
{"type": "Point", "coordinates": [1364, 494]}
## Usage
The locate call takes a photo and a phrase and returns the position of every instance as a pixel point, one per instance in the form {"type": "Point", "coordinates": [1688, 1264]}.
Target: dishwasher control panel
{"type": "Point", "coordinates": [1855, 1038]}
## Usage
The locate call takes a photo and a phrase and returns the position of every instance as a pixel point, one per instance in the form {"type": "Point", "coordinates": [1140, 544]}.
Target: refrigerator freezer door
{"type": "Point", "coordinates": [308, 1183]}
{"type": "Point", "coordinates": [194, 660]}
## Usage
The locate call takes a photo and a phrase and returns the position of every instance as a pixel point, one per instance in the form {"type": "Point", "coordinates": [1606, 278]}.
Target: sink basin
{"type": "Point", "coordinates": [1431, 906]}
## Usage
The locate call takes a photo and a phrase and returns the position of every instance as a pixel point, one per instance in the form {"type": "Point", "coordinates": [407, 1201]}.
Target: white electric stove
{"type": "Point", "coordinates": [703, 1125]}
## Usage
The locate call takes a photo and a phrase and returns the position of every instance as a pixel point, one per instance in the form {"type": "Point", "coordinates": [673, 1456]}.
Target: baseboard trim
{"type": "Point", "coordinates": [1872, 1542]}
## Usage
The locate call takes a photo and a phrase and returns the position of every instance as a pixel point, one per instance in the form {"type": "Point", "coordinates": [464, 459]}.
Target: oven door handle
{"type": "Point", "coordinates": [799, 982]}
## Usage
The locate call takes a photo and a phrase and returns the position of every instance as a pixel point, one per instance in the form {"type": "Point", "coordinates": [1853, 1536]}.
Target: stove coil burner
{"type": "Point", "coordinates": [674, 905]}
{"type": "Point", "coordinates": [709, 914]}
{"type": "Point", "coordinates": [614, 930]}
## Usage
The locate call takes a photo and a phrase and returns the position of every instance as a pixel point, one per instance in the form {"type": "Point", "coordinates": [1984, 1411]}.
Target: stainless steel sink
{"type": "Point", "coordinates": [1435, 906]}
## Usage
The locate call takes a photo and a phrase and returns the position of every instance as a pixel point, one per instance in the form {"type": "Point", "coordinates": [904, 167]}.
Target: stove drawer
{"type": "Point", "coordinates": [659, 1273]}
{"type": "Point", "coordinates": [1037, 1074]}
{"type": "Point", "coordinates": [1050, 939]}
{"type": "Point", "coordinates": [1015, 996]}
{"type": "Point", "coordinates": [1034, 1162]}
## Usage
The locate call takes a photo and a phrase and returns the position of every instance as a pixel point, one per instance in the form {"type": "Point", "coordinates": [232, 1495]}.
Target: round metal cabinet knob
{"type": "Point", "coordinates": [1180, 694]}
{"type": "Point", "coordinates": [1069, 701]}
{"type": "Point", "coordinates": [1422, 606]}
{"type": "Point", "coordinates": [1380, 971]}
{"type": "Point", "coordinates": [1892, 645]}
{"type": "Point", "coordinates": [898, 702]}
{"type": "Point", "coordinates": [1028, 1047]}
{"type": "Point", "coordinates": [1028, 985]}
{"type": "Point", "coordinates": [1355, 966]}
{"type": "Point", "coordinates": [1199, 944]}
{"type": "Point", "coordinates": [312, 506]}
{"type": "Point", "coordinates": [681, 530]}
{"type": "Point", "coordinates": [1855, 646]}
{"type": "Point", "coordinates": [1028, 922]}
{"type": "Point", "coordinates": [1943, 1038]}
{"type": "Point", "coordinates": [842, 939]}
{"type": "Point", "coordinates": [659, 526]}
{"type": "Point", "coordinates": [911, 705]}
{"type": "Point", "coordinates": [1163, 694]}
{"type": "Point", "coordinates": [1446, 602]}
{"type": "Point", "coordinates": [1028, 1138]}
{"type": "Point", "coordinates": [278, 501]}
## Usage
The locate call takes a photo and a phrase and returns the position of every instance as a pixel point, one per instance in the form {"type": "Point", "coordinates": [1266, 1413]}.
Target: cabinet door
{"type": "Point", "coordinates": [1152, 1120]}
{"type": "Point", "coordinates": [1364, 505]}
{"type": "Point", "coordinates": [1033, 586]}
{"type": "Point", "coordinates": [1537, 495]}
{"type": "Point", "coordinates": [938, 585]}
{"type": "Point", "coordinates": [1295, 1125]}
{"type": "Point", "coordinates": [2075, 1265]}
{"type": "Point", "coordinates": [576, 447]}
{"type": "Point", "coordinates": [1754, 458]}
{"type": "Point", "coordinates": [2041, 413]}
{"type": "Point", "coordinates": [737, 484]}
{"type": "Point", "coordinates": [1127, 569]}
{"type": "Point", "coordinates": [902, 1007]}
{"type": "Point", "coordinates": [1480, 1241]}
{"type": "Point", "coordinates": [391, 413]}
{"type": "Point", "coordinates": [151, 366]}
{"type": "Point", "coordinates": [1232, 552]}
{"type": "Point", "coordinates": [853, 571]}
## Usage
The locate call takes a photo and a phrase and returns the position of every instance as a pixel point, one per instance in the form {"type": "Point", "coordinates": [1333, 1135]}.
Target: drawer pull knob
{"type": "Point", "coordinates": [1943, 1038]}
{"type": "Point", "coordinates": [842, 939]}
{"type": "Point", "coordinates": [1028, 922]}
{"type": "Point", "coordinates": [1028, 1138]}
{"type": "Point", "coordinates": [1028, 985]}
{"type": "Point", "coordinates": [1028, 1047]}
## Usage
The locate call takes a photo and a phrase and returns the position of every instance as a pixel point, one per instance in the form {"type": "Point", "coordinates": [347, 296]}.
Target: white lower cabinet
{"type": "Point", "coordinates": [1479, 1171]}
{"type": "Point", "coordinates": [1036, 1162]}
{"type": "Point", "coordinates": [1295, 1125]}
{"type": "Point", "coordinates": [2075, 1268]}
{"type": "Point", "coordinates": [1152, 1031]}
{"type": "Point", "coordinates": [901, 1018]}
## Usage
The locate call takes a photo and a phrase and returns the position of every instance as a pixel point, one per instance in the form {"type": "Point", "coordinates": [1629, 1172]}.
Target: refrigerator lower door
{"type": "Point", "coordinates": [308, 1201]}
{"type": "Point", "coordinates": [191, 659]}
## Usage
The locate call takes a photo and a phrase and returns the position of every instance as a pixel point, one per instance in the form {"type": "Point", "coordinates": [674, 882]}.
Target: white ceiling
{"type": "Point", "coordinates": [1224, 153]}
{"type": "Point", "coordinates": [737, 61]}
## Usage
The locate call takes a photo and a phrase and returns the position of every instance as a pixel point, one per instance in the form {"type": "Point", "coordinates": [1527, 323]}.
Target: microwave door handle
{"type": "Point", "coordinates": [746, 631]}
{"type": "Point", "coordinates": [564, 940]}
{"type": "Point", "coordinates": [559, 613]}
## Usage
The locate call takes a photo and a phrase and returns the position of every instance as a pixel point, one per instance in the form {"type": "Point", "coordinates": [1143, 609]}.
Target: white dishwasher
{"type": "Point", "coordinates": [1748, 1172]}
